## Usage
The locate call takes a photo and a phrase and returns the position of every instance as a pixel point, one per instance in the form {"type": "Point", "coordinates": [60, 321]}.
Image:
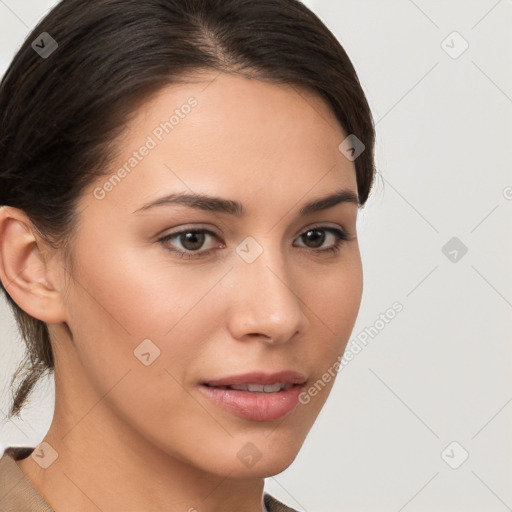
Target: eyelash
{"type": "Point", "coordinates": [340, 235]}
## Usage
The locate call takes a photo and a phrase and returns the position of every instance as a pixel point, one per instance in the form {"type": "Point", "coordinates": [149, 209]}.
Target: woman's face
{"type": "Point", "coordinates": [171, 300]}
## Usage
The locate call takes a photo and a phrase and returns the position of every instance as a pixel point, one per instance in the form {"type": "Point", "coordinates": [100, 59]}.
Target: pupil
{"type": "Point", "coordinates": [192, 240]}
{"type": "Point", "coordinates": [316, 240]}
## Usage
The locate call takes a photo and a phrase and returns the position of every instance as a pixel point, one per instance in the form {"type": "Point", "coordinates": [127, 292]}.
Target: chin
{"type": "Point", "coordinates": [257, 456]}
{"type": "Point", "coordinates": [263, 468]}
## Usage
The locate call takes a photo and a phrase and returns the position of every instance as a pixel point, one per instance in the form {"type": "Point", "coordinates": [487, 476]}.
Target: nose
{"type": "Point", "coordinates": [266, 300]}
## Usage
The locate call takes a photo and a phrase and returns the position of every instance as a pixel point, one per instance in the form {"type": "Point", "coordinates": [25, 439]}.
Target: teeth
{"type": "Point", "coordinates": [260, 388]}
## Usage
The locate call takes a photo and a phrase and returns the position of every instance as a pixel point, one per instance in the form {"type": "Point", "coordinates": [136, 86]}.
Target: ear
{"type": "Point", "coordinates": [25, 269]}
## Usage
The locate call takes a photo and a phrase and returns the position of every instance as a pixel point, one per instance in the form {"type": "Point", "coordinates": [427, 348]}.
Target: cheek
{"type": "Point", "coordinates": [335, 297]}
{"type": "Point", "coordinates": [123, 298]}
{"type": "Point", "coordinates": [140, 290]}
{"type": "Point", "coordinates": [118, 304]}
{"type": "Point", "coordinates": [334, 300]}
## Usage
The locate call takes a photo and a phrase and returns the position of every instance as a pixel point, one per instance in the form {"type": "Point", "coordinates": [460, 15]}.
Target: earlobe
{"type": "Point", "coordinates": [24, 268]}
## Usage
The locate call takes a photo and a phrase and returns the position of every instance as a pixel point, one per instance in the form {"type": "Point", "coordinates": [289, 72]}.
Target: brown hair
{"type": "Point", "coordinates": [60, 115]}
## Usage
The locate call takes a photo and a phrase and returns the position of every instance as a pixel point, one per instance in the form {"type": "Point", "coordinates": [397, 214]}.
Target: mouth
{"type": "Point", "coordinates": [256, 396]}
{"type": "Point", "coordinates": [257, 388]}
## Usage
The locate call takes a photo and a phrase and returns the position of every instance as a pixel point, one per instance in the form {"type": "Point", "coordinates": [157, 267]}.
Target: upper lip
{"type": "Point", "coordinates": [256, 377]}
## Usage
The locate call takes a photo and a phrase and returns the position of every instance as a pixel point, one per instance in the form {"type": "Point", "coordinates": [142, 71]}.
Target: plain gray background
{"type": "Point", "coordinates": [432, 386]}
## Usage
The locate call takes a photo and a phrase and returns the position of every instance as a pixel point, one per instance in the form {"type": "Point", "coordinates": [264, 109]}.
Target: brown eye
{"type": "Point", "coordinates": [316, 237]}
{"type": "Point", "coordinates": [188, 242]}
{"type": "Point", "coordinates": [192, 240]}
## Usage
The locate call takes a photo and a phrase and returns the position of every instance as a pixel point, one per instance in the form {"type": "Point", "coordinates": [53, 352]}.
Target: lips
{"type": "Point", "coordinates": [259, 378]}
{"type": "Point", "coordinates": [256, 396]}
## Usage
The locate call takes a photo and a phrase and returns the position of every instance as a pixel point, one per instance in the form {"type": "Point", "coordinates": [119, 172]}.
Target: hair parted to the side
{"type": "Point", "coordinates": [61, 116]}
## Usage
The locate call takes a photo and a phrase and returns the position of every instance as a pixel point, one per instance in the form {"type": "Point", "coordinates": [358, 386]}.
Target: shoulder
{"type": "Point", "coordinates": [274, 505]}
{"type": "Point", "coordinates": [17, 492]}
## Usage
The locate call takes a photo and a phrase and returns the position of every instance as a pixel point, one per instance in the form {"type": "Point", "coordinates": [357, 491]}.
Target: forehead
{"type": "Point", "coordinates": [222, 133]}
{"type": "Point", "coordinates": [249, 114]}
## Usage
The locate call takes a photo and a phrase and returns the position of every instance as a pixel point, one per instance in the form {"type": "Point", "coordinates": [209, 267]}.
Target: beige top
{"type": "Point", "coordinates": [17, 494]}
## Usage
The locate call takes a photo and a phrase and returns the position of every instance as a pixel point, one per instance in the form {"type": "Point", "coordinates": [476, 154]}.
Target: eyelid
{"type": "Point", "coordinates": [324, 225]}
{"type": "Point", "coordinates": [348, 235]}
{"type": "Point", "coordinates": [188, 227]}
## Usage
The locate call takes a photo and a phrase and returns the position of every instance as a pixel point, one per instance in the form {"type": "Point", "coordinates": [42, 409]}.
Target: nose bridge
{"type": "Point", "coordinates": [267, 301]}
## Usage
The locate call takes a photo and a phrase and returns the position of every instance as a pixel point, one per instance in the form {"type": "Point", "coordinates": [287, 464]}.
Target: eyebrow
{"type": "Point", "coordinates": [230, 207]}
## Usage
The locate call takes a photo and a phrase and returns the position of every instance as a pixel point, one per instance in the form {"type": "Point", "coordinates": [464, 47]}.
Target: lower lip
{"type": "Point", "coordinates": [255, 406]}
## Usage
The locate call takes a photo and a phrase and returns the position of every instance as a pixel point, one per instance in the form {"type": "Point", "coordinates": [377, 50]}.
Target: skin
{"type": "Point", "coordinates": [134, 437]}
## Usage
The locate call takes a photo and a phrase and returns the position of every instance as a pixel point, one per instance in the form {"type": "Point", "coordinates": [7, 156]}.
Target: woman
{"type": "Point", "coordinates": [180, 184]}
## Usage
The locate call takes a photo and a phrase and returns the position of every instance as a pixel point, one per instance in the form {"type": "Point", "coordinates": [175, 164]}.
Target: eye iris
{"type": "Point", "coordinates": [194, 238]}
{"type": "Point", "coordinates": [317, 241]}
